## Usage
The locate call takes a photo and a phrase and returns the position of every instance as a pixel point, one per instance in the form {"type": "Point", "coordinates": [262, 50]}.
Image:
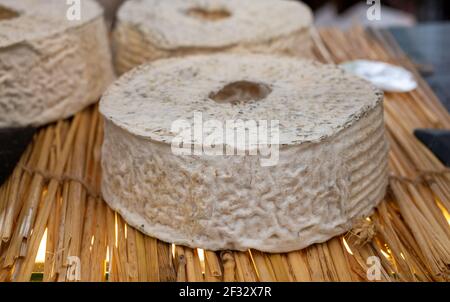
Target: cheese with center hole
{"type": "Point", "coordinates": [331, 167]}
{"type": "Point", "coordinates": [148, 30]}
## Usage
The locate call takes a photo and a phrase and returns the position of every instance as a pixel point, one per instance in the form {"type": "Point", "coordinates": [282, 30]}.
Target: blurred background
{"type": "Point", "coordinates": [344, 13]}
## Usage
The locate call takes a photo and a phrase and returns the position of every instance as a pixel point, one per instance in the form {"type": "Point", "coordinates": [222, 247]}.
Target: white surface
{"type": "Point", "coordinates": [387, 77]}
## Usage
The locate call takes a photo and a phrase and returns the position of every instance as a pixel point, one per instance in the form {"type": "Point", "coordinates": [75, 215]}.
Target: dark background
{"type": "Point", "coordinates": [420, 10]}
{"type": "Point", "coordinates": [429, 10]}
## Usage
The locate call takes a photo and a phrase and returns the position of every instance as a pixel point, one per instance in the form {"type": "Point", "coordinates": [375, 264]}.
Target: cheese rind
{"type": "Point", "coordinates": [151, 29]}
{"type": "Point", "coordinates": [50, 67]}
{"type": "Point", "coordinates": [332, 165]}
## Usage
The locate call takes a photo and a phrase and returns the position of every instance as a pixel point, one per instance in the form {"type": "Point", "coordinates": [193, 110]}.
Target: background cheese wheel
{"type": "Point", "coordinates": [148, 30]}
{"type": "Point", "coordinates": [51, 65]}
{"type": "Point", "coordinates": [332, 165]}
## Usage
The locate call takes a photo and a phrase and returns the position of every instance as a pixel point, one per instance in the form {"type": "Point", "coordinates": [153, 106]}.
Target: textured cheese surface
{"type": "Point", "coordinates": [152, 29]}
{"type": "Point", "coordinates": [332, 165]}
{"type": "Point", "coordinates": [50, 67]}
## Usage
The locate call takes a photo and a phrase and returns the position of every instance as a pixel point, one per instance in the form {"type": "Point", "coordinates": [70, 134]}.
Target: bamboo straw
{"type": "Point", "coordinates": [229, 267]}
{"type": "Point", "coordinates": [42, 218]}
{"type": "Point", "coordinates": [61, 254]}
{"type": "Point", "coordinates": [209, 277]}
{"type": "Point", "coordinates": [341, 266]}
{"type": "Point", "coordinates": [91, 171]}
{"type": "Point", "coordinates": [213, 271]}
{"type": "Point", "coordinates": [112, 247]}
{"type": "Point", "coordinates": [245, 268]}
{"type": "Point", "coordinates": [314, 264]}
{"type": "Point", "coordinates": [77, 195]}
{"type": "Point", "coordinates": [193, 270]}
{"type": "Point", "coordinates": [213, 264]}
{"type": "Point", "coordinates": [264, 269]}
{"type": "Point", "coordinates": [142, 260]}
{"type": "Point", "coordinates": [165, 262]}
{"type": "Point", "coordinates": [132, 264]}
{"type": "Point", "coordinates": [297, 261]}
{"type": "Point", "coordinates": [121, 248]}
{"type": "Point", "coordinates": [4, 192]}
{"type": "Point", "coordinates": [151, 252]}
{"type": "Point", "coordinates": [52, 233]}
{"type": "Point", "coordinates": [406, 263]}
{"type": "Point", "coordinates": [280, 268]}
{"type": "Point", "coordinates": [28, 212]}
{"type": "Point", "coordinates": [39, 228]}
{"type": "Point", "coordinates": [12, 198]}
{"type": "Point", "coordinates": [99, 247]}
{"type": "Point", "coordinates": [327, 262]}
{"type": "Point", "coordinates": [180, 263]}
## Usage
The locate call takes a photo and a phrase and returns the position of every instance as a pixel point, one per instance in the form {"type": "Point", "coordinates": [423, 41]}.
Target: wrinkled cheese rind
{"type": "Point", "coordinates": [332, 164]}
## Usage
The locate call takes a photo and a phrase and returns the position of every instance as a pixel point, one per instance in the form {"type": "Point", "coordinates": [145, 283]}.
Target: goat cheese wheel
{"type": "Point", "coordinates": [148, 30]}
{"type": "Point", "coordinates": [51, 64]}
{"type": "Point", "coordinates": [327, 167]}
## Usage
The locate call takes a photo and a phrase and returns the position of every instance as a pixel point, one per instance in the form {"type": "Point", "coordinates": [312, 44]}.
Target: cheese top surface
{"type": "Point", "coordinates": [310, 100]}
{"type": "Point", "coordinates": [30, 20]}
{"type": "Point", "coordinates": [214, 23]}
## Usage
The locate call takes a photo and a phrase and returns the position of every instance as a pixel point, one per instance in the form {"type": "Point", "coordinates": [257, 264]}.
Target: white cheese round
{"type": "Point", "coordinates": [51, 64]}
{"type": "Point", "coordinates": [331, 167]}
{"type": "Point", "coordinates": [148, 30]}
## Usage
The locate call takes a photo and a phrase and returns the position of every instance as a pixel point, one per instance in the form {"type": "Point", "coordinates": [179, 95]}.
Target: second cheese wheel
{"type": "Point", "coordinates": [53, 61]}
{"type": "Point", "coordinates": [148, 30]}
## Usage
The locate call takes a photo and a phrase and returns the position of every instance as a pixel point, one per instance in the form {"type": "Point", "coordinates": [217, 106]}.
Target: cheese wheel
{"type": "Point", "coordinates": [50, 65]}
{"type": "Point", "coordinates": [332, 151]}
{"type": "Point", "coordinates": [148, 30]}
